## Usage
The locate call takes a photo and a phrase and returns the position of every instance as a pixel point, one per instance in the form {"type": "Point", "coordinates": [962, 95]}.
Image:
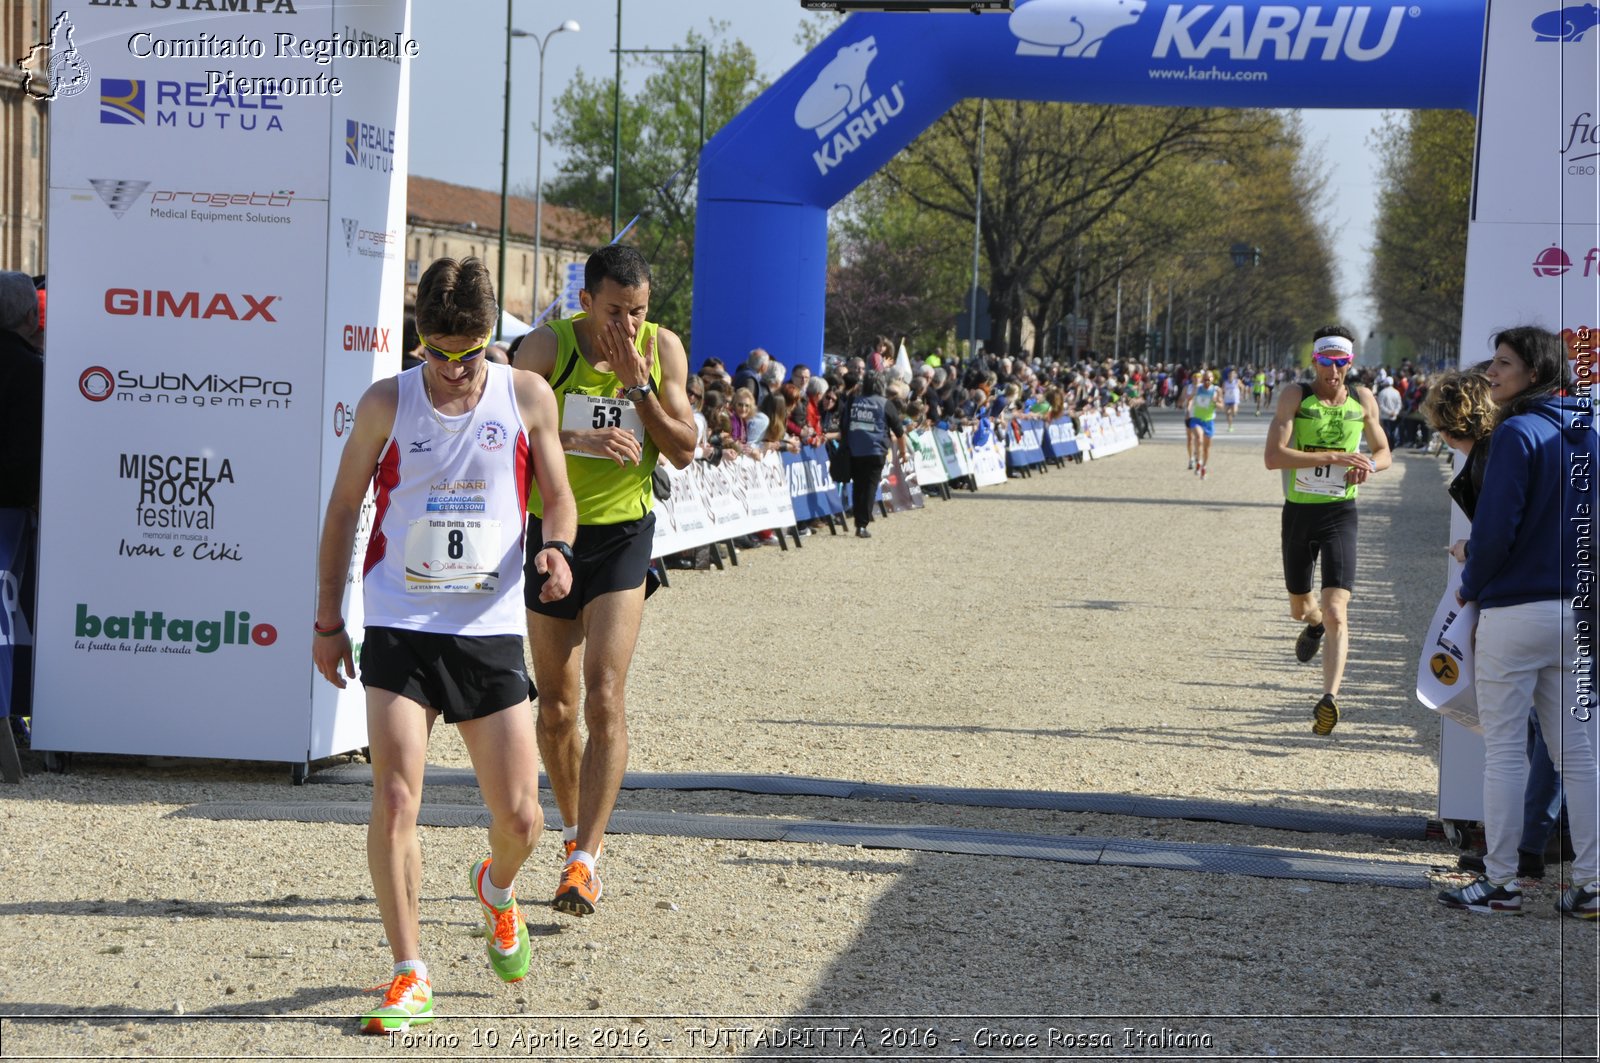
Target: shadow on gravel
{"type": "Point", "coordinates": [262, 911]}
{"type": "Point", "coordinates": [1074, 961]}
{"type": "Point", "coordinates": [1130, 500]}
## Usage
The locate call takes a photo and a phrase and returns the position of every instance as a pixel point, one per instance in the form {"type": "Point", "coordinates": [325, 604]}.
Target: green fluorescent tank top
{"type": "Point", "coordinates": [1321, 427]}
{"type": "Point", "coordinates": [606, 493]}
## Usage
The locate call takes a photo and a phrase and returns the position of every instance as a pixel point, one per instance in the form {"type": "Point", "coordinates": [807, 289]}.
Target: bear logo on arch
{"type": "Point", "coordinates": [1072, 29]}
{"type": "Point", "coordinates": [839, 91]}
{"type": "Point", "coordinates": [1568, 24]}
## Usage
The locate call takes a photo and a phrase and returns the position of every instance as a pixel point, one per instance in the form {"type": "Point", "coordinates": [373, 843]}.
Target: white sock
{"type": "Point", "coordinates": [583, 858]}
{"type": "Point", "coordinates": [418, 966]}
{"type": "Point", "coordinates": [493, 894]}
{"type": "Point", "coordinates": [569, 834]}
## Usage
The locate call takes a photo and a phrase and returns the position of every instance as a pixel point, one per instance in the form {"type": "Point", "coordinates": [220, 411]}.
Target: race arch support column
{"type": "Point", "coordinates": [874, 84]}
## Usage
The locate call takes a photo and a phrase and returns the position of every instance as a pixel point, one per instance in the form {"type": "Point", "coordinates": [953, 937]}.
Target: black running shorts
{"type": "Point", "coordinates": [1325, 530]}
{"type": "Point", "coordinates": [606, 558]}
{"type": "Point", "coordinates": [466, 677]}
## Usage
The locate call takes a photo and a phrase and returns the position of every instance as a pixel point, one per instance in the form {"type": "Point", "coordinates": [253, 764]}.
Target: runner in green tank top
{"type": "Point", "coordinates": [619, 381]}
{"type": "Point", "coordinates": [1314, 439]}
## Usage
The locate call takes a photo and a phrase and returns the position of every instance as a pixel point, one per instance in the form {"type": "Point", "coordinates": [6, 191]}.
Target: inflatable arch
{"type": "Point", "coordinates": [768, 178]}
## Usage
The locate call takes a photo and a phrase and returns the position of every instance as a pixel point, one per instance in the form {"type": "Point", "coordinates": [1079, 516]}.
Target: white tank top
{"type": "Point", "coordinates": [452, 495]}
{"type": "Point", "coordinates": [1230, 391]}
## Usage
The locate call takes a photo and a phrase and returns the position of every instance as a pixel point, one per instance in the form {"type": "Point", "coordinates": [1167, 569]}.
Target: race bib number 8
{"type": "Point", "coordinates": [450, 556]}
{"type": "Point", "coordinates": [1325, 480]}
{"type": "Point", "coordinates": [591, 411]}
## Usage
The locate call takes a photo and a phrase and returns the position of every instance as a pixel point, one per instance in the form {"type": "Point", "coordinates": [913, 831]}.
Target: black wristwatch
{"type": "Point", "coordinates": [638, 393]}
{"type": "Point", "coordinates": [562, 548]}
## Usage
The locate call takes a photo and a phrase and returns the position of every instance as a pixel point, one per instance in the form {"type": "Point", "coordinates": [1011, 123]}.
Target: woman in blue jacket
{"type": "Point", "coordinates": [1530, 566]}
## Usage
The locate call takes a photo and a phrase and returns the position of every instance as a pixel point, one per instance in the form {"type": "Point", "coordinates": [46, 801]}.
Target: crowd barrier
{"type": "Point", "coordinates": [744, 495]}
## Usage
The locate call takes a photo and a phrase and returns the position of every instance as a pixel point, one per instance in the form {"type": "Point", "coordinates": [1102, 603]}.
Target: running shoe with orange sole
{"type": "Point", "coordinates": [579, 890]}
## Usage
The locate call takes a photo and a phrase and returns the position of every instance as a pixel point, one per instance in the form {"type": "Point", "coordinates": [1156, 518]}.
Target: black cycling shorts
{"type": "Point", "coordinates": [1325, 530]}
{"type": "Point", "coordinates": [465, 677]}
{"type": "Point", "coordinates": [606, 558]}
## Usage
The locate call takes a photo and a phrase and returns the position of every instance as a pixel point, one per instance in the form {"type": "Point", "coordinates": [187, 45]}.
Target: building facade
{"type": "Point", "coordinates": [446, 220]}
{"type": "Point", "coordinates": [24, 137]}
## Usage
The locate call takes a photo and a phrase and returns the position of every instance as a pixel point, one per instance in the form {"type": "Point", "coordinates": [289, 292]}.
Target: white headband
{"type": "Point", "coordinates": [1333, 343]}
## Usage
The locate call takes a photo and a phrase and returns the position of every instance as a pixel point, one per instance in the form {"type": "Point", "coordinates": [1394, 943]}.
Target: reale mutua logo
{"type": "Point", "coordinates": [186, 105]}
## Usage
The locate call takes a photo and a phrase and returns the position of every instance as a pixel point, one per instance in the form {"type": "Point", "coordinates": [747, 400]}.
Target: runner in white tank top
{"type": "Point", "coordinates": [448, 448]}
{"type": "Point", "coordinates": [446, 548]}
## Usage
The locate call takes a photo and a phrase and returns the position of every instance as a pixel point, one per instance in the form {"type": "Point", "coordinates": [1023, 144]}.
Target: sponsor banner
{"type": "Point", "coordinates": [1540, 111]}
{"type": "Point", "coordinates": [190, 439]}
{"type": "Point", "coordinates": [813, 494]}
{"type": "Point", "coordinates": [1060, 439]}
{"type": "Point", "coordinates": [988, 460]}
{"type": "Point", "coordinates": [16, 633]}
{"type": "Point", "coordinates": [1025, 442]}
{"type": "Point", "coordinates": [955, 451]}
{"type": "Point", "coordinates": [898, 490]}
{"type": "Point", "coordinates": [924, 450]}
{"type": "Point", "coordinates": [1533, 250]}
{"type": "Point", "coordinates": [1112, 434]}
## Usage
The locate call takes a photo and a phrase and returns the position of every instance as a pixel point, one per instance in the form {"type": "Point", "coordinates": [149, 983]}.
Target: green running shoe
{"type": "Point", "coordinates": [408, 1003]}
{"type": "Point", "coordinates": [507, 944]}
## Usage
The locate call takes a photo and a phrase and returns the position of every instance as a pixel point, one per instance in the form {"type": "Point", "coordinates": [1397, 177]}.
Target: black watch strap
{"type": "Point", "coordinates": [560, 547]}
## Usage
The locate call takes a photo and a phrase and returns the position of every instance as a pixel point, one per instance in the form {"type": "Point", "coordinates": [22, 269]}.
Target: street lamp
{"type": "Point", "coordinates": [505, 163]}
{"type": "Point", "coordinates": [569, 26]}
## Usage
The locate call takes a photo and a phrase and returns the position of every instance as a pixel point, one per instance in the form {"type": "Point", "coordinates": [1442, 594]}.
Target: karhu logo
{"type": "Point", "coordinates": [839, 97]}
{"type": "Point", "coordinates": [1070, 28]}
{"type": "Point", "coordinates": [129, 302]}
{"type": "Point", "coordinates": [1277, 32]}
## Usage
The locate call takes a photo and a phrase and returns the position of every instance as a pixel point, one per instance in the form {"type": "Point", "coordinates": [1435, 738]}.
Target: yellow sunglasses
{"type": "Point", "coordinates": [458, 356]}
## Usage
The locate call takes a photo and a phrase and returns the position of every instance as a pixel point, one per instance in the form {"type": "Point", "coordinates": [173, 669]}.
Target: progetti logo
{"type": "Point", "coordinates": [1070, 28]}
{"type": "Point", "coordinates": [839, 97]}
{"type": "Point", "coordinates": [369, 243]}
{"type": "Point", "coordinates": [66, 73]}
{"type": "Point", "coordinates": [169, 635]}
{"type": "Point", "coordinates": [118, 195]}
{"type": "Point", "coordinates": [1566, 24]}
{"type": "Point", "coordinates": [368, 146]}
{"type": "Point", "coordinates": [186, 104]}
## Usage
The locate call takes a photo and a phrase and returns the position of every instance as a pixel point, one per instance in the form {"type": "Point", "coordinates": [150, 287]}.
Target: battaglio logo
{"type": "Point", "coordinates": [174, 635]}
{"type": "Point", "coordinates": [839, 97]}
{"type": "Point", "coordinates": [1070, 28]}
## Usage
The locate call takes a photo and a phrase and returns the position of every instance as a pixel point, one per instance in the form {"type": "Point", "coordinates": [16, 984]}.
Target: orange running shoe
{"type": "Point", "coordinates": [579, 889]}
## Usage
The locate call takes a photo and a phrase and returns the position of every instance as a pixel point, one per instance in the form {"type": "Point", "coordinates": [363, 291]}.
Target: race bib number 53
{"type": "Point", "coordinates": [591, 411]}
{"type": "Point", "coordinates": [446, 555]}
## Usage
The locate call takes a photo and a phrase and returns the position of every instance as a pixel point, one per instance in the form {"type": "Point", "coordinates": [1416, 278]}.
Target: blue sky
{"type": "Point", "coordinates": [458, 82]}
